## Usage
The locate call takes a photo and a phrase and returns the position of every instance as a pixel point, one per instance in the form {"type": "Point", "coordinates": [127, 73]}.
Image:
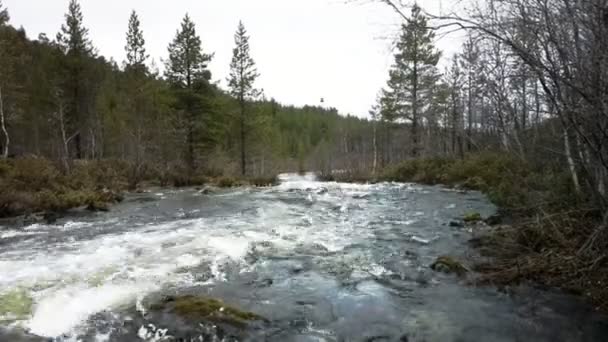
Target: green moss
{"type": "Point", "coordinates": [16, 304]}
{"type": "Point", "coordinates": [472, 217]}
{"type": "Point", "coordinates": [203, 308]}
{"type": "Point", "coordinates": [448, 264]}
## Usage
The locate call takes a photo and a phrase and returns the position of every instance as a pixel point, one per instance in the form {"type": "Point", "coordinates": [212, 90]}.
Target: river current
{"type": "Point", "coordinates": [319, 261]}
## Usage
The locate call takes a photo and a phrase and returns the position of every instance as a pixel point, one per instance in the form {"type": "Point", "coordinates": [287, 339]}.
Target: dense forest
{"type": "Point", "coordinates": [61, 99]}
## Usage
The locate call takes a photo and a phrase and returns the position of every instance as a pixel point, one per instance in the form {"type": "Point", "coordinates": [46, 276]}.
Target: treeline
{"type": "Point", "coordinates": [61, 99]}
{"type": "Point", "coordinates": [531, 81]}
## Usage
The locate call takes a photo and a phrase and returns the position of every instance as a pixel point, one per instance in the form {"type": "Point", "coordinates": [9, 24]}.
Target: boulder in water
{"type": "Point", "coordinates": [456, 224]}
{"type": "Point", "coordinates": [446, 264]}
{"type": "Point", "coordinates": [472, 218]}
{"type": "Point", "coordinates": [207, 190]}
{"type": "Point", "coordinates": [203, 309]}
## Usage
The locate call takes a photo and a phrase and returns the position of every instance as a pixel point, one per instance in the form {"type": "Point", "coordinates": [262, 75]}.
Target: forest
{"type": "Point", "coordinates": [520, 113]}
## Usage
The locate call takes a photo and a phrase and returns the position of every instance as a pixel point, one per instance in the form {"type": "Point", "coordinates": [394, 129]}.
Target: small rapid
{"type": "Point", "coordinates": [321, 261]}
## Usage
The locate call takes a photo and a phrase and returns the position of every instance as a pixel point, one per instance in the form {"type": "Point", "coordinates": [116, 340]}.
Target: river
{"type": "Point", "coordinates": [319, 261]}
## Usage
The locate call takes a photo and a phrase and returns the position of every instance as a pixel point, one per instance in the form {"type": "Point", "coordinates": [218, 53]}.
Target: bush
{"type": "Point", "coordinates": [508, 181]}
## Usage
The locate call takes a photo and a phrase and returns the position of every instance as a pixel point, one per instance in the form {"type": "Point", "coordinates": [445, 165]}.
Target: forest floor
{"type": "Point", "coordinates": [38, 190]}
{"type": "Point", "coordinates": [547, 240]}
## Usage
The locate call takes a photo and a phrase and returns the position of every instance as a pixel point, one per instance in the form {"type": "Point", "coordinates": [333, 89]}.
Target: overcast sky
{"type": "Point", "coordinates": [304, 49]}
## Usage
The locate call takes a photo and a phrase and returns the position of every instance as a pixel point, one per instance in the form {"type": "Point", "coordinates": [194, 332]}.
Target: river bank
{"type": "Point", "coordinates": [547, 239]}
{"type": "Point", "coordinates": [37, 190]}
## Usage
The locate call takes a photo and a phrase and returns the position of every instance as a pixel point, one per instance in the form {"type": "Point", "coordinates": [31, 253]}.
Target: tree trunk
{"type": "Point", "coordinates": [243, 153]}
{"type": "Point", "coordinates": [7, 139]}
{"type": "Point", "coordinates": [375, 142]}
{"type": "Point", "coordinates": [570, 160]}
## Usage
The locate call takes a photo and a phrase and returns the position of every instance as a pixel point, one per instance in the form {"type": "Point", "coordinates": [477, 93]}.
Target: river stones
{"type": "Point", "coordinates": [446, 264]}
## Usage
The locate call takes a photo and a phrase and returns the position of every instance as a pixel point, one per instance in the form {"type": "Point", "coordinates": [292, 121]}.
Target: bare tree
{"type": "Point", "coordinates": [7, 139]}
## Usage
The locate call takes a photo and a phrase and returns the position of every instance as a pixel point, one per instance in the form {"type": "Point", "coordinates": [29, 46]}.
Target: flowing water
{"type": "Point", "coordinates": [320, 261]}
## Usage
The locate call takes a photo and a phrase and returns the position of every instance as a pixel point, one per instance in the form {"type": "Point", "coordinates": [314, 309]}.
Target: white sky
{"type": "Point", "coordinates": [304, 49]}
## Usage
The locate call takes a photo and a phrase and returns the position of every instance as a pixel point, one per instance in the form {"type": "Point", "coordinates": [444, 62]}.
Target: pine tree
{"type": "Point", "coordinates": [74, 36]}
{"type": "Point", "coordinates": [414, 74]}
{"type": "Point", "coordinates": [75, 43]}
{"type": "Point", "coordinates": [187, 72]}
{"type": "Point", "coordinates": [243, 74]}
{"type": "Point", "coordinates": [135, 48]}
{"type": "Point", "coordinates": [187, 66]}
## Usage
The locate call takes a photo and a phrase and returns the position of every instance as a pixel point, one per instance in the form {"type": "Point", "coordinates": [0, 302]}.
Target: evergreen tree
{"type": "Point", "coordinates": [187, 72]}
{"type": "Point", "coordinates": [135, 48]}
{"type": "Point", "coordinates": [413, 75]}
{"type": "Point", "coordinates": [75, 43]}
{"type": "Point", "coordinates": [243, 74]}
{"type": "Point", "coordinates": [187, 66]}
{"type": "Point", "coordinates": [74, 36]}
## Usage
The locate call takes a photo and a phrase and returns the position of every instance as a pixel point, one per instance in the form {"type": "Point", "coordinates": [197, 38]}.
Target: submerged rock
{"type": "Point", "coordinates": [456, 224]}
{"type": "Point", "coordinates": [203, 309]}
{"type": "Point", "coordinates": [446, 264]}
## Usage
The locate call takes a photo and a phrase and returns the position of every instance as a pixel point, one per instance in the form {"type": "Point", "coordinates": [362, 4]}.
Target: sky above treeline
{"type": "Point", "coordinates": [305, 50]}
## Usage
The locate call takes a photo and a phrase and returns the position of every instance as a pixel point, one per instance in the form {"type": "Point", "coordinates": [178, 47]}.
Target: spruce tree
{"type": "Point", "coordinates": [413, 75]}
{"type": "Point", "coordinates": [135, 48]}
{"type": "Point", "coordinates": [243, 74]}
{"type": "Point", "coordinates": [187, 72]}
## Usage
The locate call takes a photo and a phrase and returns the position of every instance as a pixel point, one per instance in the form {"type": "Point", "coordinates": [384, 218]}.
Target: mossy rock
{"type": "Point", "coordinates": [16, 304]}
{"type": "Point", "coordinates": [446, 264]}
{"type": "Point", "coordinates": [199, 308]}
{"type": "Point", "coordinates": [472, 217]}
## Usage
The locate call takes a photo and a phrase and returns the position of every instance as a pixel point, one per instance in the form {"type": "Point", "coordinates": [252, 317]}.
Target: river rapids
{"type": "Point", "coordinates": [320, 261]}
